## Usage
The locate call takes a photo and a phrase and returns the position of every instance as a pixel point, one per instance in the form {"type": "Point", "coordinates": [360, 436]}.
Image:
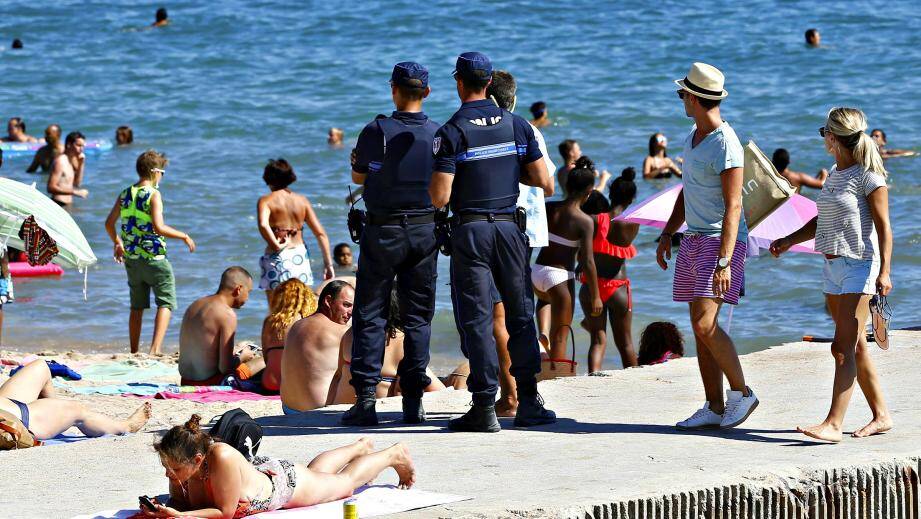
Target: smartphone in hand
{"type": "Point", "coordinates": [147, 503]}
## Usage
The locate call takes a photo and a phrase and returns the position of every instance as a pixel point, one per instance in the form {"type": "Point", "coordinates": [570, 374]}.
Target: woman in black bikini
{"type": "Point", "coordinates": [570, 232]}
{"type": "Point", "coordinates": [657, 164]}
{"type": "Point", "coordinates": [613, 246]}
{"type": "Point", "coordinates": [29, 396]}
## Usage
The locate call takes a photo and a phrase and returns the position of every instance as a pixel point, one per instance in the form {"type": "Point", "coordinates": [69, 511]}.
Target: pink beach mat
{"type": "Point", "coordinates": [232, 395]}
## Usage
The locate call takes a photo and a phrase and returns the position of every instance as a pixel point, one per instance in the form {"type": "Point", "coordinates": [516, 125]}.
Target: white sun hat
{"type": "Point", "coordinates": [704, 81]}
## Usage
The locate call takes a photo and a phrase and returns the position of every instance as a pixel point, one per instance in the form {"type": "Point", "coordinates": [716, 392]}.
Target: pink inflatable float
{"type": "Point", "coordinates": [23, 270]}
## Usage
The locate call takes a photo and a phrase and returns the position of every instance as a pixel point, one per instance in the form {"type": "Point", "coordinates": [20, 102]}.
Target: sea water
{"type": "Point", "coordinates": [229, 85]}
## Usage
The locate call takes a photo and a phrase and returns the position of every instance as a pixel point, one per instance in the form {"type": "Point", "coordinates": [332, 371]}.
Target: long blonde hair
{"type": "Point", "coordinates": [850, 128]}
{"type": "Point", "coordinates": [291, 300]}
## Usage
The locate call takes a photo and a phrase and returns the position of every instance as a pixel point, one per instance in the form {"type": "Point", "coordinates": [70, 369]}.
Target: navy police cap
{"type": "Point", "coordinates": [473, 65]}
{"type": "Point", "coordinates": [410, 74]}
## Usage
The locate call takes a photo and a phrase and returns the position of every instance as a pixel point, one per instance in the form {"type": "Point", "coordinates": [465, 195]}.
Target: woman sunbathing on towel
{"type": "Point", "coordinates": [212, 479]}
{"type": "Point", "coordinates": [30, 397]}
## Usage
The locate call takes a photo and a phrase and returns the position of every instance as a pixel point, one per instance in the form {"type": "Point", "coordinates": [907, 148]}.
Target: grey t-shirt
{"type": "Point", "coordinates": [845, 225]}
{"type": "Point", "coordinates": [704, 207]}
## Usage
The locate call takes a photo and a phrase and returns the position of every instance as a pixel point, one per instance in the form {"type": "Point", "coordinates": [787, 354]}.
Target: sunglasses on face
{"type": "Point", "coordinates": [822, 131]}
{"type": "Point", "coordinates": [158, 170]}
{"type": "Point", "coordinates": [681, 94]}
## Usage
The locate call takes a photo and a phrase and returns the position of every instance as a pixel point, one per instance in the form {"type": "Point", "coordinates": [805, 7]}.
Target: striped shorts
{"type": "Point", "coordinates": [696, 264]}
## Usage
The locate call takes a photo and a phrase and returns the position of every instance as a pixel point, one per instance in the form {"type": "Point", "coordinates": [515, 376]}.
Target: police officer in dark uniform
{"type": "Point", "coordinates": [481, 154]}
{"type": "Point", "coordinates": [394, 161]}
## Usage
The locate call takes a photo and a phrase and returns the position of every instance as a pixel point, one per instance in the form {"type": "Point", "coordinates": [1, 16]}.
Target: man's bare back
{"type": "Point", "coordinates": [309, 362]}
{"type": "Point", "coordinates": [206, 336]}
{"type": "Point", "coordinates": [311, 356]}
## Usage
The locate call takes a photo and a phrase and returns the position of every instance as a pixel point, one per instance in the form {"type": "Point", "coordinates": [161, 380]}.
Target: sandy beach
{"type": "Point", "coordinates": [614, 444]}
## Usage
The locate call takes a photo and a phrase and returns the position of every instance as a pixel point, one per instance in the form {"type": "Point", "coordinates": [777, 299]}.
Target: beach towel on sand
{"type": "Point", "coordinates": [373, 501]}
{"type": "Point", "coordinates": [215, 396]}
{"type": "Point", "coordinates": [128, 371]}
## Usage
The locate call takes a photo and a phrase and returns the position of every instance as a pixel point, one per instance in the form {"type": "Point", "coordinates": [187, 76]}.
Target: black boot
{"type": "Point", "coordinates": [480, 418]}
{"type": "Point", "coordinates": [363, 412]}
{"type": "Point", "coordinates": [413, 412]}
{"type": "Point", "coordinates": [531, 411]}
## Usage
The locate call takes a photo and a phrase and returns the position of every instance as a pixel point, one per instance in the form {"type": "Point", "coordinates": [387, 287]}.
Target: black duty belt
{"type": "Point", "coordinates": [400, 219]}
{"type": "Point", "coordinates": [467, 218]}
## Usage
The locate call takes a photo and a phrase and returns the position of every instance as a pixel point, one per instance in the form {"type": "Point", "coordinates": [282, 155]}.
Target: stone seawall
{"type": "Point", "coordinates": [884, 491]}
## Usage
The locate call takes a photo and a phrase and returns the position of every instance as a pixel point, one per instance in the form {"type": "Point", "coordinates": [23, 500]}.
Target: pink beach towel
{"type": "Point", "coordinates": [215, 396]}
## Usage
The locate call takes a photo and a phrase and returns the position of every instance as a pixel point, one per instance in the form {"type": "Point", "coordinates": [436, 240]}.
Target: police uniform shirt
{"type": "Point", "coordinates": [449, 139]}
{"type": "Point", "coordinates": [369, 153]}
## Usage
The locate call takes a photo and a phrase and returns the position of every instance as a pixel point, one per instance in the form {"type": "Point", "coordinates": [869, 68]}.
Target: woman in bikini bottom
{"type": "Point", "coordinates": [29, 396]}
{"type": "Point", "coordinates": [196, 466]}
{"type": "Point", "coordinates": [570, 234]}
{"type": "Point", "coordinates": [612, 246]}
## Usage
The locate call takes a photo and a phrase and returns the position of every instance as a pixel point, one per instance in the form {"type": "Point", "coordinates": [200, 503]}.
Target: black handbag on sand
{"type": "Point", "coordinates": [238, 429]}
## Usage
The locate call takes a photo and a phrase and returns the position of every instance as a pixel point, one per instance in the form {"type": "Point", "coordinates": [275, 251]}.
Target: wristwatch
{"type": "Point", "coordinates": [722, 263]}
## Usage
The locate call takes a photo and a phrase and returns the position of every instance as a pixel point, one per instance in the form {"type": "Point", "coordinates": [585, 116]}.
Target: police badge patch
{"type": "Point", "coordinates": [436, 145]}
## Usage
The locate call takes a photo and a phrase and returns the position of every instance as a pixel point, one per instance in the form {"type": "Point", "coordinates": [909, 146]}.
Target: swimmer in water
{"type": "Point", "coordinates": [45, 156]}
{"type": "Point", "coordinates": [17, 44]}
{"type": "Point", "coordinates": [781, 161]}
{"type": "Point", "coordinates": [658, 164]}
{"type": "Point", "coordinates": [813, 38]}
{"type": "Point", "coordinates": [879, 137]}
{"type": "Point", "coordinates": [124, 136]}
{"type": "Point", "coordinates": [16, 131]}
{"type": "Point", "coordinates": [334, 137]}
{"type": "Point", "coordinates": [162, 18]}
{"type": "Point", "coordinates": [540, 114]}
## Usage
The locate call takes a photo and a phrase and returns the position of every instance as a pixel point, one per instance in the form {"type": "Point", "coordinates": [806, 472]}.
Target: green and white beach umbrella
{"type": "Point", "coordinates": [18, 201]}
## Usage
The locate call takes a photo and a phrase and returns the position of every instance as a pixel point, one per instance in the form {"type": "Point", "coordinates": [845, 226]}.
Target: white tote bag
{"type": "Point", "coordinates": [763, 188]}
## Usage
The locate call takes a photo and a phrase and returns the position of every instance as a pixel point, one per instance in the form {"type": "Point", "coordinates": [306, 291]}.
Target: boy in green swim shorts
{"type": "Point", "coordinates": [140, 244]}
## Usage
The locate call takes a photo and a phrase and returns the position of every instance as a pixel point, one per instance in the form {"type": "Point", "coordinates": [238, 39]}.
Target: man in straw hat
{"type": "Point", "coordinates": [710, 268]}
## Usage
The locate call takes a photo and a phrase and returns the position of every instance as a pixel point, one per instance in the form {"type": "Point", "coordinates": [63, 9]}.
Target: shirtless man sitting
{"type": "Point", "coordinates": [16, 131]}
{"type": "Point", "coordinates": [311, 356]}
{"type": "Point", "coordinates": [206, 339]}
{"type": "Point", "coordinates": [67, 171]}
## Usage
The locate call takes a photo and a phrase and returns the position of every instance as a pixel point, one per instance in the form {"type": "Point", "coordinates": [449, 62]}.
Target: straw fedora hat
{"type": "Point", "coordinates": [704, 81]}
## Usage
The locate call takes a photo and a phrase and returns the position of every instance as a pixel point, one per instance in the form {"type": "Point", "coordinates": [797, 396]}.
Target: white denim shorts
{"type": "Point", "coordinates": [850, 276]}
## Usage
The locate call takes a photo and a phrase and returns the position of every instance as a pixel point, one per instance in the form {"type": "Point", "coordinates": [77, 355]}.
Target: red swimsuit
{"type": "Point", "coordinates": [601, 245]}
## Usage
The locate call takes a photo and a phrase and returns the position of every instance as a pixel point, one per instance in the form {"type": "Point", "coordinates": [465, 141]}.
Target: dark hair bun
{"type": "Point", "coordinates": [584, 162]}
{"type": "Point", "coordinates": [628, 174]}
{"type": "Point", "coordinates": [194, 424]}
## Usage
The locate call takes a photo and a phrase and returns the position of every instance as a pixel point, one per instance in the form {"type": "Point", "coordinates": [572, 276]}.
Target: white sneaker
{"type": "Point", "coordinates": [703, 418]}
{"type": "Point", "coordinates": [738, 407]}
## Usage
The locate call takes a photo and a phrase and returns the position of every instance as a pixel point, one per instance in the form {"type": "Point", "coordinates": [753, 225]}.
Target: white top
{"type": "Point", "coordinates": [532, 200]}
{"type": "Point", "coordinates": [845, 225]}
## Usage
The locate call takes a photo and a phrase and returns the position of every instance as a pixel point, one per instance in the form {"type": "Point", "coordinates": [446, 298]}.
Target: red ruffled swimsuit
{"type": "Point", "coordinates": [601, 245]}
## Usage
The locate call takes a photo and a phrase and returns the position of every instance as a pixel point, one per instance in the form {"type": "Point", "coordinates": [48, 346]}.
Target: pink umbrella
{"type": "Point", "coordinates": [793, 214]}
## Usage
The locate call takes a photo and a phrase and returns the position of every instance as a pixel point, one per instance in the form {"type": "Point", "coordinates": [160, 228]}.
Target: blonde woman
{"type": "Point", "coordinates": [292, 301]}
{"type": "Point", "coordinates": [852, 230]}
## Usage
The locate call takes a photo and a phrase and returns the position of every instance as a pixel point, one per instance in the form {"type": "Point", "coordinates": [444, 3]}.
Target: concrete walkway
{"type": "Point", "coordinates": [614, 452]}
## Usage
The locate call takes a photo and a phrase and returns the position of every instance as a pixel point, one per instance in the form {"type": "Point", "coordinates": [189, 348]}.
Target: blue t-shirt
{"type": "Point", "coordinates": [704, 206]}
{"type": "Point", "coordinates": [450, 143]}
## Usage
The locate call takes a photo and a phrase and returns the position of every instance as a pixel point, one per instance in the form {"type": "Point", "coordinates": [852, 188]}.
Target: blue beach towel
{"type": "Point", "coordinates": [131, 388]}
